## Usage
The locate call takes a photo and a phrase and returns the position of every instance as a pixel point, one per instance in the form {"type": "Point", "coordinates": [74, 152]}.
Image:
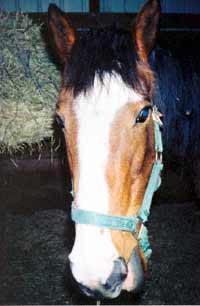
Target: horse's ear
{"type": "Point", "coordinates": [146, 29]}
{"type": "Point", "coordinates": [63, 34]}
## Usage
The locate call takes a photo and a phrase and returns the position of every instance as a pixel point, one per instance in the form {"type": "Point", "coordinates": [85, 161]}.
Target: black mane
{"type": "Point", "coordinates": [100, 51]}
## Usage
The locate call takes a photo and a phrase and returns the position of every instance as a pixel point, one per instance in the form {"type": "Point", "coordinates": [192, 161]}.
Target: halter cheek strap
{"type": "Point", "coordinates": [131, 224]}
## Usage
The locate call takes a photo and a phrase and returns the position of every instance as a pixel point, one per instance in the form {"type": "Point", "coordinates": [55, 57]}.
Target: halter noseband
{"type": "Point", "coordinates": [131, 224]}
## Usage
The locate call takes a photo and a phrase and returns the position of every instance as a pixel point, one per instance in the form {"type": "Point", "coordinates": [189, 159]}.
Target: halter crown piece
{"type": "Point", "coordinates": [130, 224]}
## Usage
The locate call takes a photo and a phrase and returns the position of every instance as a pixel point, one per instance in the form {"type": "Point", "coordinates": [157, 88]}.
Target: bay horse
{"type": "Point", "coordinates": [114, 147]}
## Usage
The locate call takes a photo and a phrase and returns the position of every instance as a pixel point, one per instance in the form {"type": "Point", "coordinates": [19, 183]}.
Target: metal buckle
{"type": "Point", "coordinates": [138, 232]}
{"type": "Point", "coordinates": [159, 156]}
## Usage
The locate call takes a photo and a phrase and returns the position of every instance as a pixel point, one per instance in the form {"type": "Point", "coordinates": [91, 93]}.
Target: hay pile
{"type": "Point", "coordinates": [29, 84]}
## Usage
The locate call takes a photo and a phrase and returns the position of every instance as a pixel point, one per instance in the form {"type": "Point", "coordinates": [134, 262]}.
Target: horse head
{"type": "Point", "coordinates": [105, 105]}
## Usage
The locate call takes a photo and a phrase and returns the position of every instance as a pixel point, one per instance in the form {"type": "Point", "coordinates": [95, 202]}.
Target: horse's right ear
{"type": "Point", "coordinates": [63, 34]}
{"type": "Point", "coordinates": [146, 29]}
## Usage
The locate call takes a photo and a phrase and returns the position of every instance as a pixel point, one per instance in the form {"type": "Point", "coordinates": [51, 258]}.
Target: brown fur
{"type": "Point", "coordinates": [63, 34]}
{"type": "Point", "coordinates": [146, 29]}
{"type": "Point", "coordinates": [130, 162]}
{"type": "Point", "coordinates": [145, 36]}
{"type": "Point", "coordinates": [65, 110]}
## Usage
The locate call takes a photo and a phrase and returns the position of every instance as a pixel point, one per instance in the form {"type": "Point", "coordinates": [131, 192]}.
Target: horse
{"type": "Point", "coordinates": [114, 147]}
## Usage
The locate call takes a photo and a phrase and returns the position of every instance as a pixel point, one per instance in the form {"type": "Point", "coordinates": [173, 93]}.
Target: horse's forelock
{"type": "Point", "coordinates": [103, 51]}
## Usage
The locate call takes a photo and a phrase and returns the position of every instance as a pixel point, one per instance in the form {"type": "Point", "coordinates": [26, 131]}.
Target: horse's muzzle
{"type": "Point", "coordinates": [113, 286]}
{"type": "Point", "coordinates": [119, 276]}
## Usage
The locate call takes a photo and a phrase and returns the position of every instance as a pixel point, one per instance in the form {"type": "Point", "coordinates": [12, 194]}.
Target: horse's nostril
{"type": "Point", "coordinates": [117, 276]}
{"type": "Point", "coordinates": [87, 291]}
{"type": "Point", "coordinates": [123, 268]}
{"type": "Point", "coordinates": [95, 294]}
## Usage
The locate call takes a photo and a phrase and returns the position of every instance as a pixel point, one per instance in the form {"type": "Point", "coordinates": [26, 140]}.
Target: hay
{"type": "Point", "coordinates": [29, 84]}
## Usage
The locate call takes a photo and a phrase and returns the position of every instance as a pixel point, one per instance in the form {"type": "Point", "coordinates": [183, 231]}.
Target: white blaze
{"type": "Point", "coordinates": [93, 252]}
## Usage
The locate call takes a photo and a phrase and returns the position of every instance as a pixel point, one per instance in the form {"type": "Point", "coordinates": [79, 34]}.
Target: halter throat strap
{"type": "Point", "coordinates": [131, 224]}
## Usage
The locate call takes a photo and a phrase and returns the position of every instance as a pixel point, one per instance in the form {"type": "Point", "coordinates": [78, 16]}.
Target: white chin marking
{"type": "Point", "coordinates": [93, 252]}
{"type": "Point", "coordinates": [92, 256]}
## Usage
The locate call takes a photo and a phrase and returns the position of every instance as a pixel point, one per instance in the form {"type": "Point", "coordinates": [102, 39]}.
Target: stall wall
{"type": "Point", "coordinates": [123, 6]}
{"type": "Point", "coordinates": [42, 5]}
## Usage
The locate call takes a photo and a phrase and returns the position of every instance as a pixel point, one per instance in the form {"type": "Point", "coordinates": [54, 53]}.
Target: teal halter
{"type": "Point", "coordinates": [130, 224]}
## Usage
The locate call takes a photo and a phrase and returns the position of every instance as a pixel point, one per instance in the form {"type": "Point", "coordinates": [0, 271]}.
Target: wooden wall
{"type": "Point", "coordinates": [42, 5]}
{"type": "Point", "coordinates": [112, 6]}
{"type": "Point", "coordinates": [168, 6]}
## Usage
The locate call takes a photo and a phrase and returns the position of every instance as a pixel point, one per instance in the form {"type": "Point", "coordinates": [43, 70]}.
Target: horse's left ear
{"type": "Point", "coordinates": [146, 29]}
{"type": "Point", "coordinates": [62, 33]}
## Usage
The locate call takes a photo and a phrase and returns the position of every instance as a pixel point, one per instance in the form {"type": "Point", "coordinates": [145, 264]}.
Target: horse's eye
{"type": "Point", "coordinates": [143, 115]}
{"type": "Point", "coordinates": [60, 121]}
